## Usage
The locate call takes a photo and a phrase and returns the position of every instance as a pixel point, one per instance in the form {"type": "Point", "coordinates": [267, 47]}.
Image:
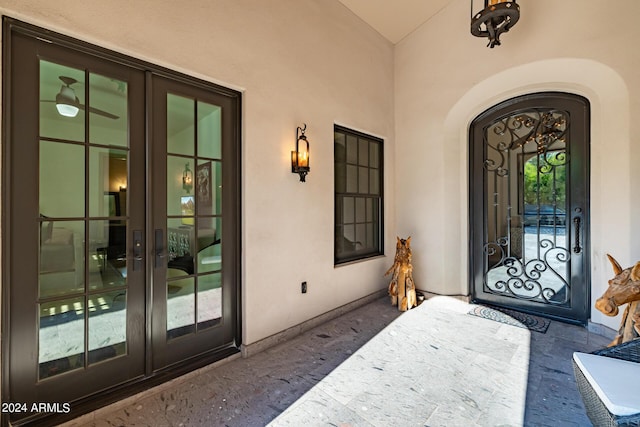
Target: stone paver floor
{"type": "Point", "coordinates": [435, 365]}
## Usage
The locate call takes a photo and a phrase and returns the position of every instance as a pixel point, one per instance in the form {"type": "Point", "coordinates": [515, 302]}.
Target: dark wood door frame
{"type": "Point", "coordinates": [13, 30]}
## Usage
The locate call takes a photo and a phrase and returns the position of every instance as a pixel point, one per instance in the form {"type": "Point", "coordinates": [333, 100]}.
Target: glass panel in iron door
{"type": "Point", "coordinates": [526, 248]}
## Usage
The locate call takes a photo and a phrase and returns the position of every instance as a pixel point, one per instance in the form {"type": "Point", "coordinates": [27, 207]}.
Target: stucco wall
{"type": "Point", "coordinates": [445, 77]}
{"type": "Point", "coordinates": [295, 61]}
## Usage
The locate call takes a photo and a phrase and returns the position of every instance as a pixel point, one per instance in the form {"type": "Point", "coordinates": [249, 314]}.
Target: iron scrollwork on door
{"type": "Point", "coordinates": [526, 250]}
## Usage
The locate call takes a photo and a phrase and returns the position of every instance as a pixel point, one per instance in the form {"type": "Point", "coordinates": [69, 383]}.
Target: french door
{"type": "Point", "coordinates": [195, 220]}
{"type": "Point", "coordinates": [529, 208]}
{"type": "Point", "coordinates": [121, 221]}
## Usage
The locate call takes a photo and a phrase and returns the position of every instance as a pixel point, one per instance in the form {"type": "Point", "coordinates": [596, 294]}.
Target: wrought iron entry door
{"type": "Point", "coordinates": [529, 205]}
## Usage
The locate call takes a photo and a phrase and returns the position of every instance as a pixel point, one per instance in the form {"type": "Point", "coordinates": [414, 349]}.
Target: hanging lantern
{"type": "Point", "coordinates": [497, 17]}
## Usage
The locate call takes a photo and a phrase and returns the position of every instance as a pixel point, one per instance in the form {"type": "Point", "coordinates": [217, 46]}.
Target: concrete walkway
{"type": "Point", "coordinates": [435, 365]}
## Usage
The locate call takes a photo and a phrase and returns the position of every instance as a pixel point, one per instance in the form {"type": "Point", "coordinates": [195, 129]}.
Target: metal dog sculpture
{"type": "Point", "coordinates": [402, 289]}
{"type": "Point", "coordinates": [624, 288]}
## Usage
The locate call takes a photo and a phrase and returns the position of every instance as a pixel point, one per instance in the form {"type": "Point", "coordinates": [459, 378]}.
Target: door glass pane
{"type": "Point", "coordinates": [107, 254]}
{"type": "Point", "coordinates": [209, 244]}
{"type": "Point", "coordinates": [108, 113]}
{"type": "Point", "coordinates": [209, 300]}
{"type": "Point", "coordinates": [181, 304]}
{"type": "Point", "coordinates": [61, 102]}
{"type": "Point", "coordinates": [526, 248]}
{"type": "Point", "coordinates": [107, 182]}
{"type": "Point", "coordinates": [217, 188]}
{"type": "Point", "coordinates": [61, 249]}
{"type": "Point", "coordinates": [209, 130]}
{"type": "Point", "coordinates": [180, 244]}
{"type": "Point", "coordinates": [62, 188]}
{"type": "Point", "coordinates": [209, 187]}
{"type": "Point", "coordinates": [180, 125]}
{"type": "Point", "coordinates": [61, 179]}
{"type": "Point", "coordinates": [107, 325]}
{"type": "Point", "coordinates": [180, 186]}
{"type": "Point", "coordinates": [194, 209]}
{"type": "Point", "coordinates": [61, 336]}
{"type": "Point", "coordinates": [544, 218]}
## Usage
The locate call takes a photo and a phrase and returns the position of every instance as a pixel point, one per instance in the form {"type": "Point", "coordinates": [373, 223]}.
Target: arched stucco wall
{"type": "Point", "coordinates": [610, 154]}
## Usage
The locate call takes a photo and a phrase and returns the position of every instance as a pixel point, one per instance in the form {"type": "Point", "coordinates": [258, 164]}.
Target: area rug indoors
{"type": "Point", "coordinates": [512, 317]}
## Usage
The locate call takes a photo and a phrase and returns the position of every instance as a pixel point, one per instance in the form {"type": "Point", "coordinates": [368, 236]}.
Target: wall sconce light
{"type": "Point", "coordinates": [187, 178]}
{"type": "Point", "coordinates": [300, 157]}
{"type": "Point", "coordinates": [497, 17]}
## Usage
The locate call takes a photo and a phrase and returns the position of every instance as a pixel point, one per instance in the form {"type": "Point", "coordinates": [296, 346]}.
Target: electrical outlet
{"type": "Point", "coordinates": [303, 287]}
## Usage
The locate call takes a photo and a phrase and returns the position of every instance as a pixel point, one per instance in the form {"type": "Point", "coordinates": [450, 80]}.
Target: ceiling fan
{"type": "Point", "coordinates": [68, 104]}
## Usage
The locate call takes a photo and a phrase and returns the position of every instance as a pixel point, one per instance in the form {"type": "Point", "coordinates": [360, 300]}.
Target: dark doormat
{"type": "Point", "coordinates": [512, 317]}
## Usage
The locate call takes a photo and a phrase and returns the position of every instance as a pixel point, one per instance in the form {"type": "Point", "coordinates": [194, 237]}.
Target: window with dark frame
{"type": "Point", "coordinates": [358, 160]}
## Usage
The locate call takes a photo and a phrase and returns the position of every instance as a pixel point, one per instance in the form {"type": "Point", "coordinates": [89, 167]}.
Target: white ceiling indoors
{"type": "Point", "coordinates": [395, 19]}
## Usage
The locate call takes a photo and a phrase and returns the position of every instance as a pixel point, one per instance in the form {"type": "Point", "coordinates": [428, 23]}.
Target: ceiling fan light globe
{"type": "Point", "coordinates": [66, 102]}
{"type": "Point", "coordinates": [67, 110]}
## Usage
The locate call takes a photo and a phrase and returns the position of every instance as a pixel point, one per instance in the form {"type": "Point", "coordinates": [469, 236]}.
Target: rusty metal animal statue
{"type": "Point", "coordinates": [624, 288]}
{"type": "Point", "coordinates": [402, 290]}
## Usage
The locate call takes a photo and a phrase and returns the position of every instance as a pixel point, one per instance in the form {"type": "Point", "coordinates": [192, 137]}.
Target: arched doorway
{"type": "Point", "coordinates": [529, 208]}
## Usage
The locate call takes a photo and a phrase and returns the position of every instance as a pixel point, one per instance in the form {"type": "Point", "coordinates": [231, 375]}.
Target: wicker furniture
{"type": "Point", "coordinates": [597, 411]}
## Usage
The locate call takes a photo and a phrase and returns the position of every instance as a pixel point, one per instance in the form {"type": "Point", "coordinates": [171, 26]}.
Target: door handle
{"type": "Point", "coordinates": [576, 225]}
{"type": "Point", "coordinates": [138, 250]}
{"type": "Point", "coordinates": [159, 248]}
